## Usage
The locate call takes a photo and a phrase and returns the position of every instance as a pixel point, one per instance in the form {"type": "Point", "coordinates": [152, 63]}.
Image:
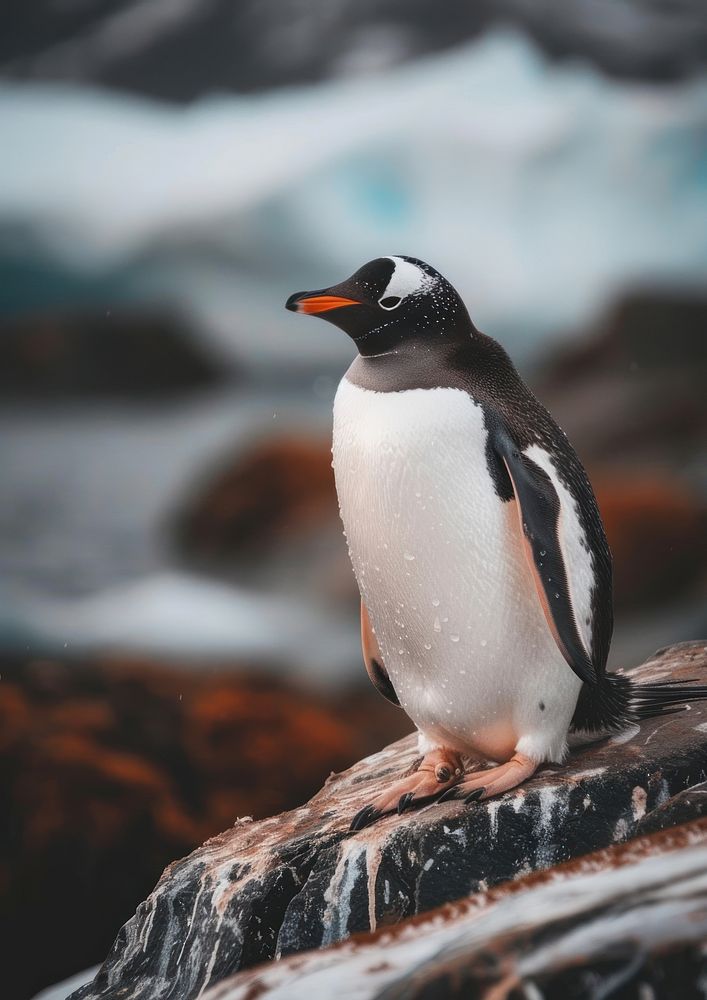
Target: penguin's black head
{"type": "Point", "coordinates": [388, 301]}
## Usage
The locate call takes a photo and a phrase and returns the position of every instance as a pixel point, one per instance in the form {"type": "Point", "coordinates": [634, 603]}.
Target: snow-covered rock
{"type": "Point", "coordinates": [630, 918]}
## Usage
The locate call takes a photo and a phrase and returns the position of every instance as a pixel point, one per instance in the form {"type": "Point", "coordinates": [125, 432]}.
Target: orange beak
{"type": "Point", "coordinates": [319, 303]}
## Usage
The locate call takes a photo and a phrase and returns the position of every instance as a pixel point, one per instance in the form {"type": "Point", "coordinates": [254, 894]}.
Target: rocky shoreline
{"type": "Point", "coordinates": [301, 881]}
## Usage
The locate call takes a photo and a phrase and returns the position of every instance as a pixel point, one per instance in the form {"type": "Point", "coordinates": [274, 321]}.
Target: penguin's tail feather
{"type": "Point", "coordinates": [617, 700]}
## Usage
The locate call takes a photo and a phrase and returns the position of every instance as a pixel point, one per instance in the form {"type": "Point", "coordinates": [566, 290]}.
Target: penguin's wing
{"type": "Point", "coordinates": [539, 512]}
{"type": "Point", "coordinates": [374, 661]}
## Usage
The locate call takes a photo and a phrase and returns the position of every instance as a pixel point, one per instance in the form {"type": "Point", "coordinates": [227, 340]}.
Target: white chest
{"type": "Point", "coordinates": [438, 559]}
{"type": "Point", "coordinates": [415, 495]}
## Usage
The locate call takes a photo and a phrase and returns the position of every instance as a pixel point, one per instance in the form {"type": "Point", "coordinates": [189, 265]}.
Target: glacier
{"type": "Point", "coordinates": [540, 189]}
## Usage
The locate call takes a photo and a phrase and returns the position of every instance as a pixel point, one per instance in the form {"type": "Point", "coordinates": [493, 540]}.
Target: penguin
{"type": "Point", "coordinates": [476, 542]}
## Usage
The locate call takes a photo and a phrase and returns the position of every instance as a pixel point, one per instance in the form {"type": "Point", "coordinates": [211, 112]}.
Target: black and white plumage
{"type": "Point", "coordinates": [474, 534]}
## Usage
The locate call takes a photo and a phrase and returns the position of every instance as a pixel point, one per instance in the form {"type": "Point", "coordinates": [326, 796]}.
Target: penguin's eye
{"type": "Point", "coordinates": [390, 302]}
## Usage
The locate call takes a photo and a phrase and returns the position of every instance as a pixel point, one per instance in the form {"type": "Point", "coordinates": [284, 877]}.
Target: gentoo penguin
{"type": "Point", "coordinates": [477, 544]}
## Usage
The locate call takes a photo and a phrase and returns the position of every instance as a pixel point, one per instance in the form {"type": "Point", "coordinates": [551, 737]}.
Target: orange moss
{"type": "Point", "coordinates": [109, 771]}
{"type": "Point", "coordinates": [279, 488]}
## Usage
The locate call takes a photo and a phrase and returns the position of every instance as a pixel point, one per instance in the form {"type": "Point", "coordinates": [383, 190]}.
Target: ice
{"type": "Point", "coordinates": [513, 176]}
{"type": "Point", "coordinates": [185, 616]}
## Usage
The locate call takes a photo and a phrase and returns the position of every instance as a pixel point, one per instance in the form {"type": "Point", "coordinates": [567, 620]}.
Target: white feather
{"type": "Point", "coordinates": [407, 279]}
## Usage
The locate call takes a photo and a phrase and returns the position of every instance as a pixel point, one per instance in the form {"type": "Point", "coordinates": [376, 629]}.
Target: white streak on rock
{"type": "Point", "coordinates": [638, 801]}
{"type": "Point", "coordinates": [620, 830]}
{"type": "Point", "coordinates": [626, 735]}
{"type": "Point", "coordinates": [373, 860]}
{"type": "Point", "coordinates": [663, 793]}
{"type": "Point", "coordinates": [492, 808]}
{"type": "Point", "coordinates": [338, 892]}
{"type": "Point", "coordinates": [553, 804]}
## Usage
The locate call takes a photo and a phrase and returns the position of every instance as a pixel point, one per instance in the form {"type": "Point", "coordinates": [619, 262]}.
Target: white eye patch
{"type": "Point", "coordinates": [406, 279]}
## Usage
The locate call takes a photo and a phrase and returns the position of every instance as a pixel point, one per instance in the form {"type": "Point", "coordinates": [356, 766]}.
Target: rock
{"type": "Point", "coordinates": [631, 917]}
{"type": "Point", "coordinates": [680, 808]}
{"type": "Point", "coordinates": [279, 488]}
{"type": "Point", "coordinates": [647, 364]}
{"type": "Point", "coordinates": [270, 516]}
{"type": "Point", "coordinates": [117, 355]}
{"type": "Point", "coordinates": [111, 769]}
{"type": "Point", "coordinates": [301, 880]}
{"type": "Point", "coordinates": [655, 331]}
{"type": "Point", "coordinates": [220, 47]}
{"type": "Point", "coordinates": [657, 531]}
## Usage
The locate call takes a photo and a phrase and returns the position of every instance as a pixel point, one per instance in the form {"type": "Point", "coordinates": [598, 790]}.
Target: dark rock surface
{"type": "Point", "coordinates": [120, 354]}
{"type": "Point", "coordinates": [269, 516]}
{"type": "Point", "coordinates": [680, 808]}
{"type": "Point", "coordinates": [279, 487]}
{"type": "Point", "coordinates": [627, 921]}
{"type": "Point", "coordinates": [646, 361]}
{"type": "Point", "coordinates": [301, 880]}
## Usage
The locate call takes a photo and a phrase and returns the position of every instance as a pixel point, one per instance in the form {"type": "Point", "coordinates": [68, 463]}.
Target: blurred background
{"type": "Point", "coordinates": [178, 624]}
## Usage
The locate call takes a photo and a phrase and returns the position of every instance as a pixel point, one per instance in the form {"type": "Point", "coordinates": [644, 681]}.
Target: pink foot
{"type": "Point", "coordinates": [439, 771]}
{"type": "Point", "coordinates": [493, 781]}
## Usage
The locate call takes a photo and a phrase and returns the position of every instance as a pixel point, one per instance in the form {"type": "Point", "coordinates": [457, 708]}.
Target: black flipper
{"type": "Point", "coordinates": [374, 661]}
{"type": "Point", "coordinates": [381, 682]}
{"type": "Point", "coordinates": [539, 513]}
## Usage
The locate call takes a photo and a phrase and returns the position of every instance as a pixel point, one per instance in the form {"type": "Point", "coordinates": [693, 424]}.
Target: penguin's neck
{"type": "Point", "coordinates": [425, 362]}
{"type": "Point", "coordinates": [430, 334]}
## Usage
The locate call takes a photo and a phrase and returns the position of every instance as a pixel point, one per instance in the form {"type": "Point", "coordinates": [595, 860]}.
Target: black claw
{"type": "Point", "coordinates": [448, 796]}
{"type": "Point", "coordinates": [474, 796]}
{"type": "Point", "coordinates": [359, 820]}
{"type": "Point", "coordinates": [405, 802]}
{"type": "Point", "coordinates": [364, 817]}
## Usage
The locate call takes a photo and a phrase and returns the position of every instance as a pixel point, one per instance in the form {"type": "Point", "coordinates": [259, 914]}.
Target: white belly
{"type": "Point", "coordinates": [440, 564]}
